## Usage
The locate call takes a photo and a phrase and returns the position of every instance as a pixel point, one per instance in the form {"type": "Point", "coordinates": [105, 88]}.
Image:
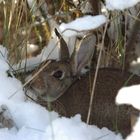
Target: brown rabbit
{"type": "Point", "coordinates": [62, 76]}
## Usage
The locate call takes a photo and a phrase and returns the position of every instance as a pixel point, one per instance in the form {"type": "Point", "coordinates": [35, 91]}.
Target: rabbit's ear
{"type": "Point", "coordinates": [82, 56]}
{"type": "Point", "coordinates": [64, 52]}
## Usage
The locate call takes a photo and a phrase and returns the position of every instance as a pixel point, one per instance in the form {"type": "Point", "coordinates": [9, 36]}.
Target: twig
{"type": "Point", "coordinates": [96, 73]}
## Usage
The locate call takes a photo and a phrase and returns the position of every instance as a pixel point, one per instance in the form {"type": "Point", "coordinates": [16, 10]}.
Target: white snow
{"type": "Point", "coordinates": [74, 129]}
{"type": "Point", "coordinates": [120, 4]}
{"type": "Point", "coordinates": [82, 24]}
{"type": "Point", "coordinates": [135, 64]}
{"type": "Point", "coordinates": [129, 95]}
{"type": "Point", "coordinates": [34, 122]}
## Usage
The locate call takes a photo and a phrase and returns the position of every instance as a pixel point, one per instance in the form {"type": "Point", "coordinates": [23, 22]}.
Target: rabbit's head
{"type": "Point", "coordinates": [58, 76]}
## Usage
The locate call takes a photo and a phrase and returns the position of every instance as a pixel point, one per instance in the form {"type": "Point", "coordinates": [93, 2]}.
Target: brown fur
{"type": "Point", "coordinates": [105, 113]}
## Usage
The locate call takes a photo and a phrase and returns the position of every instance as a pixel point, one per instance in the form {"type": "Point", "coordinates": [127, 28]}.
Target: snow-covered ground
{"type": "Point", "coordinates": [33, 122]}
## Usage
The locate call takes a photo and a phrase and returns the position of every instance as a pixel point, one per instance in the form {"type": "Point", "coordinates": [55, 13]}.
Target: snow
{"type": "Point", "coordinates": [131, 95]}
{"type": "Point", "coordinates": [33, 122]}
{"type": "Point", "coordinates": [120, 4]}
{"type": "Point", "coordinates": [135, 64]}
{"type": "Point", "coordinates": [74, 129]}
{"type": "Point", "coordinates": [82, 24]}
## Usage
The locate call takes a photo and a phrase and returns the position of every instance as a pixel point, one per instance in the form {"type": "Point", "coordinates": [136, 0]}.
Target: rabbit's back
{"type": "Point", "coordinates": [104, 111]}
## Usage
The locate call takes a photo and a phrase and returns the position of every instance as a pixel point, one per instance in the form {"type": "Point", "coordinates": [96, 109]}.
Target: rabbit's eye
{"type": "Point", "coordinates": [58, 74]}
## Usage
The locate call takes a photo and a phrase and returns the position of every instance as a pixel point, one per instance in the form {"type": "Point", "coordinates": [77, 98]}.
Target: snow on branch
{"type": "Point", "coordinates": [82, 24]}
{"type": "Point", "coordinates": [120, 4]}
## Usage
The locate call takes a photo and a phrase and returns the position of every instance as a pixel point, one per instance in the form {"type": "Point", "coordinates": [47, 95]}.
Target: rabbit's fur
{"type": "Point", "coordinates": [62, 76]}
{"type": "Point", "coordinates": [104, 110]}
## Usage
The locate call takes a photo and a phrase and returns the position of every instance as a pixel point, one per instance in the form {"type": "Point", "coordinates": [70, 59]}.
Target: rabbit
{"type": "Point", "coordinates": [63, 81]}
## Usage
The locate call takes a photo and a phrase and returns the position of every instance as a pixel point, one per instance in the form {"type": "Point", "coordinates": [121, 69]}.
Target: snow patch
{"type": "Point", "coordinates": [120, 4]}
{"type": "Point", "coordinates": [129, 95]}
{"type": "Point", "coordinates": [82, 24]}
